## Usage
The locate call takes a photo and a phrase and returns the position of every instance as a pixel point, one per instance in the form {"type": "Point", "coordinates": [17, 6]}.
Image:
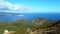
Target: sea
{"type": "Point", "coordinates": [29, 16]}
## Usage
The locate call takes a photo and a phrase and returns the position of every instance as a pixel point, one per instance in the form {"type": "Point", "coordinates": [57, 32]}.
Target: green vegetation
{"type": "Point", "coordinates": [20, 26]}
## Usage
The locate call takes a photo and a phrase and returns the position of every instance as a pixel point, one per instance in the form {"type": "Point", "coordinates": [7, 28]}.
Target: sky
{"type": "Point", "coordinates": [30, 6]}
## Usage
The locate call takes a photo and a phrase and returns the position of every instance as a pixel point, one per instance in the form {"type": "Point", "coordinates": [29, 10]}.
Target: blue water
{"type": "Point", "coordinates": [30, 16]}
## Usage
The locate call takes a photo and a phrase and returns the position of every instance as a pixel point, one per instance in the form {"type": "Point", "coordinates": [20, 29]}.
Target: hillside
{"type": "Point", "coordinates": [22, 25]}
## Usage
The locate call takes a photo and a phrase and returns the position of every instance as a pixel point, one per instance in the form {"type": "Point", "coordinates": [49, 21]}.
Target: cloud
{"type": "Point", "coordinates": [5, 5]}
{"type": "Point", "coordinates": [20, 7]}
{"type": "Point", "coordinates": [1, 0]}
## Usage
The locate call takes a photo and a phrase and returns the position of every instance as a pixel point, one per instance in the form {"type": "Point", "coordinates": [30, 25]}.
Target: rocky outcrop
{"type": "Point", "coordinates": [8, 32]}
